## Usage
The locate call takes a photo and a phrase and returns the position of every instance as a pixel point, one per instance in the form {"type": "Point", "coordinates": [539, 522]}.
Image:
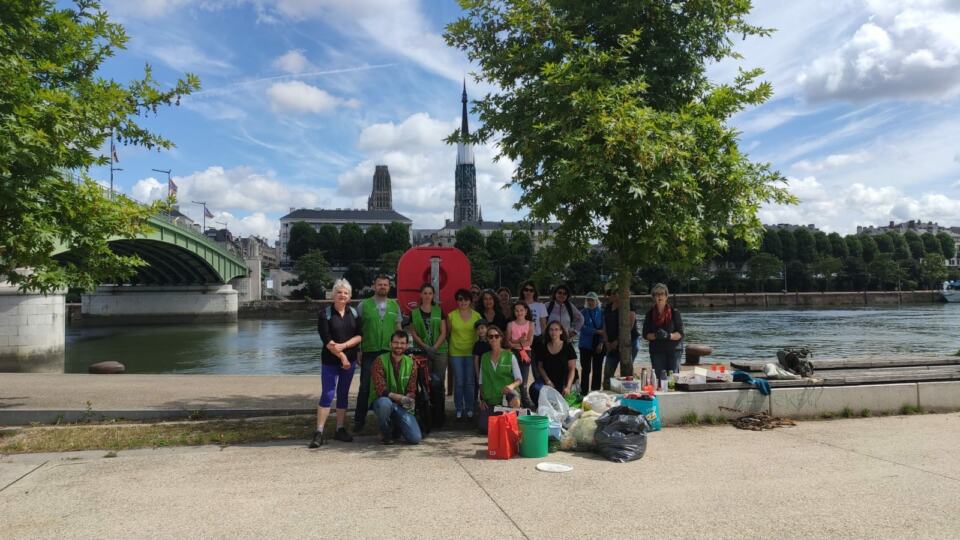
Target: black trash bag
{"type": "Point", "coordinates": [621, 434]}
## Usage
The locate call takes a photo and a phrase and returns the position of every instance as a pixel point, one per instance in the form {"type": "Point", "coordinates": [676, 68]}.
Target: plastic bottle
{"type": "Point", "coordinates": [671, 381]}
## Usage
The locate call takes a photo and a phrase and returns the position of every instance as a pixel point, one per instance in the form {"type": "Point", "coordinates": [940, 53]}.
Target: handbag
{"type": "Point", "coordinates": [503, 435]}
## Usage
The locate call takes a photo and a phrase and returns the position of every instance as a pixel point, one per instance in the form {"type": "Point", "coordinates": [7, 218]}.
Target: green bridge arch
{"type": "Point", "coordinates": [175, 255]}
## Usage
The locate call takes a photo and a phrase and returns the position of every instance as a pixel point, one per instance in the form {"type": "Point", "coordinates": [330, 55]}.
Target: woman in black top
{"type": "Point", "coordinates": [663, 328]}
{"type": "Point", "coordinates": [340, 329]}
{"type": "Point", "coordinates": [557, 362]}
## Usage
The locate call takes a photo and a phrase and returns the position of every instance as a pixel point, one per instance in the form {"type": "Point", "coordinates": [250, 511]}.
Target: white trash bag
{"type": "Point", "coordinates": [552, 405]}
{"type": "Point", "coordinates": [598, 401]}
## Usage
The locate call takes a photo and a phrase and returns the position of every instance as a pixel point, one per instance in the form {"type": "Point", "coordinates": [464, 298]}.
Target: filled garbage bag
{"type": "Point", "coordinates": [580, 434]}
{"type": "Point", "coordinates": [621, 434]}
{"type": "Point", "coordinates": [552, 405]}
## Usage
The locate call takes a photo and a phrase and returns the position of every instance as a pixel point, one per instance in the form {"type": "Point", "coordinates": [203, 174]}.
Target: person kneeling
{"type": "Point", "coordinates": [499, 377]}
{"type": "Point", "coordinates": [393, 391]}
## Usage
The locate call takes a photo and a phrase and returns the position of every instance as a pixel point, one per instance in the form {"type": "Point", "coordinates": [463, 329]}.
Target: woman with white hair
{"type": "Point", "coordinates": [340, 328]}
{"type": "Point", "coordinates": [663, 328]}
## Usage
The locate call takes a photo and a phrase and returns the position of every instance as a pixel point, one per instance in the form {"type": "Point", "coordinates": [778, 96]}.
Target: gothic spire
{"type": "Point", "coordinates": [464, 129]}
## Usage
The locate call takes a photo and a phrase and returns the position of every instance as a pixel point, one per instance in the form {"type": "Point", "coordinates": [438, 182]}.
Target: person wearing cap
{"type": "Point", "coordinates": [611, 324]}
{"type": "Point", "coordinates": [591, 344]}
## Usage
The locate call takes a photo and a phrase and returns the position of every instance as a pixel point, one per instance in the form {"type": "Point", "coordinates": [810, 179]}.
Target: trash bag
{"type": "Point", "coordinates": [574, 398]}
{"type": "Point", "coordinates": [580, 434]}
{"type": "Point", "coordinates": [621, 435]}
{"type": "Point", "coordinates": [598, 401]}
{"type": "Point", "coordinates": [552, 405]}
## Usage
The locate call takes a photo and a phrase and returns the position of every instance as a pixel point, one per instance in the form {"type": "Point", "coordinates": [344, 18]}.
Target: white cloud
{"type": "Point", "coordinates": [297, 96]}
{"type": "Point", "coordinates": [907, 49]}
{"type": "Point", "coordinates": [293, 62]}
{"type": "Point", "coordinates": [186, 57]}
{"type": "Point", "coordinates": [422, 170]}
{"type": "Point", "coordinates": [842, 209]}
{"type": "Point", "coordinates": [255, 224]}
{"type": "Point", "coordinates": [145, 9]}
{"type": "Point", "coordinates": [149, 190]}
{"type": "Point", "coordinates": [833, 161]}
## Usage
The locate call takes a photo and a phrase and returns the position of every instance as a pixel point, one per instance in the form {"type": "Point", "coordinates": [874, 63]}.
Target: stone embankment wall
{"type": "Point", "coordinates": [289, 308]}
{"type": "Point", "coordinates": [31, 331]}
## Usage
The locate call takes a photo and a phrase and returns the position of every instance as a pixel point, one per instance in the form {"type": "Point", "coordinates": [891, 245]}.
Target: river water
{"type": "Point", "coordinates": [292, 346]}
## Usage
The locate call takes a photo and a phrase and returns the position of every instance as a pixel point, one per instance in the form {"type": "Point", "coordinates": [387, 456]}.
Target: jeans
{"type": "Point", "coordinates": [464, 384]}
{"type": "Point", "coordinates": [665, 361]}
{"type": "Point", "coordinates": [610, 366]}
{"type": "Point", "coordinates": [393, 417]}
{"type": "Point", "coordinates": [363, 394]}
{"type": "Point", "coordinates": [590, 362]}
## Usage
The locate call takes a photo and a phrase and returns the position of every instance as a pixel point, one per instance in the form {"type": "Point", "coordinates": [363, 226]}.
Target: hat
{"type": "Point", "coordinates": [610, 287]}
{"type": "Point", "coordinates": [592, 296]}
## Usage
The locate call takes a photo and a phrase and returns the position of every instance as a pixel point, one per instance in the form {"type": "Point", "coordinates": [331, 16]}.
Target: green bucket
{"type": "Point", "coordinates": [533, 435]}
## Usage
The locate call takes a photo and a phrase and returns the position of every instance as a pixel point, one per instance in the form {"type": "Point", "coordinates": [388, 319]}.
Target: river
{"type": "Point", "coordinates": [291, 346]}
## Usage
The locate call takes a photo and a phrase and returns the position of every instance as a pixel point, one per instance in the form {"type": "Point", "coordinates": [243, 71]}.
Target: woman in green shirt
{"type": "Point", "coordinates": [429, 330]}
{"type": "Point", "coordinates": [499, 377]}
{"type": "Point", "coordinates": [462, 337]}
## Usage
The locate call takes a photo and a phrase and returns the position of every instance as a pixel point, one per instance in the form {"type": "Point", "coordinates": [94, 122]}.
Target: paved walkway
{"type": "Point", "coordinates": [40, 397]}
{"type": "Point", "coordinates": [893, 477]}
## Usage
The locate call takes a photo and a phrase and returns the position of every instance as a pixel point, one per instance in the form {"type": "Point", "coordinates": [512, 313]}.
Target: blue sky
{"type": "Point", "coordinates": [301, 98]}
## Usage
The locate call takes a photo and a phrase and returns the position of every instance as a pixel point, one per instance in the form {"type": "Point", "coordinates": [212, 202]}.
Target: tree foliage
{"type": "Point", "coordinates": [615, 129]}
{"type": "Point", "coordinates": [313, 272]}
{"type": "Point", "coordinates": [302, 239]}
{"type": "Point", "coordinates": [763, 267]}
{"type": "Point", "coordinates": [56, 115]}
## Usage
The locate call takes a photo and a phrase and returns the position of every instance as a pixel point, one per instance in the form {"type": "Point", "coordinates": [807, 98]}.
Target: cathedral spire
{"type": "Point", "coordinates": [464, 129]}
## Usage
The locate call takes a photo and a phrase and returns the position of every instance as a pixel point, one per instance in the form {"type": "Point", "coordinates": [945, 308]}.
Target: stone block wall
{"type": "Point", "coordinates": [31, 331]}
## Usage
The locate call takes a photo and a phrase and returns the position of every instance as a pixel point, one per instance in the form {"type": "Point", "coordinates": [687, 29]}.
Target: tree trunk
{"type": "Point", "coordinates": [624, 278]}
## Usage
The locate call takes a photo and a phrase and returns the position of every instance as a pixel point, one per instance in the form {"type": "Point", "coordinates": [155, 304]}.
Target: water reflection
{"type": "Point", "coordinates": [292, 346]}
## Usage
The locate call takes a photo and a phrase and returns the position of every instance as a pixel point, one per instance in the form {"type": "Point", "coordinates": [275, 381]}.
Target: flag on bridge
{"type": "Point", "coordinates": [207, 214]}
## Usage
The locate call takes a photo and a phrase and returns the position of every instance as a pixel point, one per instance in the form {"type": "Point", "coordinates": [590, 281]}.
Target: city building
{"type": "Point", "coordinates": [919, 227]}
{"type": "Point", "coordinates": [381, 198]}
{"type": "Point", "coordinates": [465, 208]}
{"type": "Point", "coordinates": [791, 227]}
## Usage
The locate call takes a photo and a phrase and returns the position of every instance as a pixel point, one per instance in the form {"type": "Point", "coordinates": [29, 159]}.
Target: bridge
{"type": "Point", "coordinates": [187, 278]}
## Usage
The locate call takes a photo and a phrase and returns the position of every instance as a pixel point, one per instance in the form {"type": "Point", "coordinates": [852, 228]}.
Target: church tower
{"type": "Point", "coordinates": [465, 200]}
{"type": "Point", "coordinates": [381, 198]}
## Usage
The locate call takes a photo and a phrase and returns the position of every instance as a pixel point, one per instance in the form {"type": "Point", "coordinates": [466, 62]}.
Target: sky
{"type": "Point", "coordinates": [301, 99]}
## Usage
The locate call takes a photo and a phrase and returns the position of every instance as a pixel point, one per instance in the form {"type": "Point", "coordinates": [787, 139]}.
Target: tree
{"type": "Point", "coordinates": [481, 269]}
{"type": "Point", "coordinates": [468, 239]}
{"type": "Point", "coordinates": [869, 247]}
{"type": "Point", "coordinates": [838, 247]}
{"type": "Point", "coordinates": [497, 246]}
{"type": "Point", "coordinates": [358, 277]}
{"type": "Point", "coordinates": [771, 243]}
{"type": "Point", "coordinates": [388, 263]}
{"type": "Point", "coordinates": [328, 241]}
{"type": "Point", "coordinates": [374, 243]}
{"type": "Point", "coordinates": [313, 273]}
{"type": "Point", "coordinates": [788, 245]}
{"type": "Point", "coordinates": [351, 244]}
{"type": "Point", "coordinates": [826, 269]}
{"type": "Point", "coordinates": [303, 238]}
{"type": "Point", "coordinates": [914, 244]}
{"type": "Point", "coordinates": [930, 243]}
{"type": "Point", "coordinates": [901, 251]}
{"type": "Point", "coordinates": [933, 270]}
{"type": "Point", "coordinates": [577, 82]}
{"type": "Point", "coordinates": [885, 270]}
{"type": "Point", "coordinates": [947, 246]}
{"type": "Point", "coordinates": [854, 274]}
{"type": "Point", "coordinates": [57, 112]}
{"type": "Point", "coordinates": [822, 244]}
{"type": "Point", "coordinates": [884, 242]}
{"type": "Point", "coordinates": [854, 246]}
{"type": "Point", "coordinates": [806, 246]}
{"type": "Point", "coordinates": [764, 266]}
{"type": "Point", "coordinates": [799, 277]}
{"type": "Point", "coordinates": [397, 238]}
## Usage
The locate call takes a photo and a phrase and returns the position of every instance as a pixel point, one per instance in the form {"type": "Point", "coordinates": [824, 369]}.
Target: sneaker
{"type": "Point", "coordinates": [469, 415]}
{"type": "Point", "coordinates": [342, 435]}
{"type": "Point", "coordinates": [387, 441]}
{"type": "Point", "coordinates": [317, 441]}
{"type": "Point", "coordinates": [459, 415]}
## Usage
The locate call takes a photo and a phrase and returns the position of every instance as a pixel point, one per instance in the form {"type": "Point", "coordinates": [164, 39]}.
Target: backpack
{"type": "Point", "coordinates": [328, 312]}
{"type": "Point", "coordinates": [569, 305]}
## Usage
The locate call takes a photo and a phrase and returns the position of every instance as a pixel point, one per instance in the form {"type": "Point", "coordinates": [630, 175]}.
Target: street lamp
{"type": "Point", "coordinates": [204, 205]}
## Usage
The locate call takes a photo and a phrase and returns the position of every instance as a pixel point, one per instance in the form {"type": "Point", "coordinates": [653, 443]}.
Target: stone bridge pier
{"type": "Point", "coordinates": [32, 329]}
{"type": "Point", "coordinates": [159, 304]}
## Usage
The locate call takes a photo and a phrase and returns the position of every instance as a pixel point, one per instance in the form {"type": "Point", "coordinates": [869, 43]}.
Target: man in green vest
{"type": "Point", "coordinates": [394, 391]}
{"type": "Point", "coordinates": [379, 319]}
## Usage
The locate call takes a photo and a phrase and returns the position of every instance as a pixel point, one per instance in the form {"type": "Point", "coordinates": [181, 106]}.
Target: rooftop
{"type": "Point", "coordinates": [346, 214]}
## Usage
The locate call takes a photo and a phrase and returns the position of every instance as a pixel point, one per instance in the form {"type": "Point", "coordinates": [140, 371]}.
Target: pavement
{"type": "Point", "coordinates": [891, 477]}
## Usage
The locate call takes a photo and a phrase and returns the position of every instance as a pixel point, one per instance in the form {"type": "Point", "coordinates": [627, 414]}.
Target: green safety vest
{"type": "Point", "coordinates": [394, 385]}
{"type": "Point", "coordinates": [435, 318]}
{"type": "Point", "coordinates": [495, 377]}
{"type": "Point", "coordinates": [377, 331]}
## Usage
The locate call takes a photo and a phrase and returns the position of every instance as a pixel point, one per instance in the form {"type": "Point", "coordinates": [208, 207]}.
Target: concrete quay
{"type": "Point", "coordinates": [48, 398]}
{"type": "Point", "coordinates": [894, 477]}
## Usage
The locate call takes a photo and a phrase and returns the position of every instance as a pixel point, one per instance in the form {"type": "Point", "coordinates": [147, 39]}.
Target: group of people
{"type": "Point", "coordinates": [491, 344]}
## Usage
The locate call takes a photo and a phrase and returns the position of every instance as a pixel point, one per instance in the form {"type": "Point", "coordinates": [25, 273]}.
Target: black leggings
{"type": "Point", "coordinates": [590, 362]}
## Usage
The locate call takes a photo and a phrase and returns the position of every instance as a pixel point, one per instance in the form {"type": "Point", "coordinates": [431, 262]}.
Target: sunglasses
{"type": "Point", "coordinates": [528, 290]}
{"type": "Point", "coordinates": [493, 336]}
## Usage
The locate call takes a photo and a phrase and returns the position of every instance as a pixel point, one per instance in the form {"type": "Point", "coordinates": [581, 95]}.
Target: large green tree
{"type": "Point", "coordinates": [328, 241]}
{"type": "Point", "coordinates": [615, 129]}
{"type": "Point", "coordinates": [302, 238]}
{"type": "Point", "coordinates": [313, 273]}
{"type": "Point", "coordinates": [56, 113]}
{"type": "Point", "coordinates": [947, 246]}
{"type": "Point", "coordinates": [351, 245]}
{"type": "Point", "coordinates": [397, 237]}
{"type": "Point", "coordinates": [764, 267]}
